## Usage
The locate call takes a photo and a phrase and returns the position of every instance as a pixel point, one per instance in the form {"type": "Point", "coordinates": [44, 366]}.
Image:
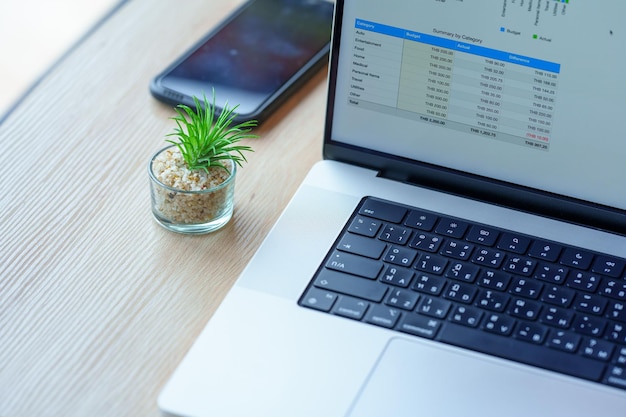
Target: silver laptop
{"type": "Point", "coordinates": [461, 249]}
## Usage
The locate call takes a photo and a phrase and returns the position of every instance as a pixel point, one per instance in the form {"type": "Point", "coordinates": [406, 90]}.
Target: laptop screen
{"type": "Point", "coordinates": [529, 92]}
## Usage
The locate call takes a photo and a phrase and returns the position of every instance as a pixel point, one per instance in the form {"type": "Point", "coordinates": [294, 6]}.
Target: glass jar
{"type": "Point", "coordinates": [192, 202]}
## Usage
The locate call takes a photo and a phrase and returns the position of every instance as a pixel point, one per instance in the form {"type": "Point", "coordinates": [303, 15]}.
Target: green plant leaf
{"type": "Point", "coordinates": [204, 140]}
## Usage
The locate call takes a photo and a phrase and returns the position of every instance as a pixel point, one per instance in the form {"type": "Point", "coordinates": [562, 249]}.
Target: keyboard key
{"type": "Point", "coordinates": [488, 257]}
{"type": "Point", "coordinates": [482, 235]}
{"type": "Point", "coordinates": [432, 263]}
{"type": "Point", "coordinates": [588, 325]}
{"type": "Point", "coordinates": [547, 251]}
{"type": "Point", "coordinates": [434, 307]}
{"type": "Point", "coordinates": [463, 293]}
{"type": "Point", "coordinates": [350, 285]}
{"type": "Point", "coordinates": [451, 227]}
{"type": "Point", "coordinates": [426, 241]}
{"type": "Point", "coordinates": [395, 234]}
{"type": "Point", "coordinates": [462, 271]}
{"type": "Point", "coordinates": [583, 281]}
{"type": "Point", "coordinates": [360, 245]}
{"type": "Point", "coordinates": [512, 242]}
{"type": "Point", "coordinates": [419, 325]}
{"type": "Point", "coordinates": [613, 289]}
{"type": "Point", "coordinates": [526, 287]}
{"type": "Point", "coordinates": [319, 299]}
{"type": "Point", "coordinates": [499, 324]}
{"type": "Point", "coordinates": [617, 376]}
{"type": "Point", "coordinates": [421, 220]}
{"type": "Point", "coordinates": [382, 316]}
{"type": "Point", "coordinates": [365, 226]}
{"type": "Point", "coordinates": [520, 265]}
{"type": "Point", "coordinates": [597, 349]}
{"type": "Point", "coordinates": [457, 250]}
{"type": "Point", "coordinates": [495, 280]}
{"type": "Point", "coordinates": [382, 210]}
{"type": "Point", "coordinates": [617, 311]}
{"type": "Point", "coordinates": [352, 308]}
{"type": "Point", "coordinates": [429, 284]}
{"type": "Point", "coordinates": [564, 340]}
{"type": "Point", "coordinates": [398, 255]}
{"type": "Point", "coordinates": [525, 309]}
{"type": "Point", "coordinates": [551, 273]}
{"type": "Point", "coordinates": [467, 316]}
{"type": "Point", "coordinates": [588, 303]}
{"type": "Point", "coordinates": [616, 332]}
{"type": "Point", "coordinates": [492, 300]}
{"type": "Point", "coordinates": [403, 299]}
{"type": "Point", "coordinates": [607, 265]}
{"type": "Point", "coordinates": [531, 332]}
{"type": "Point", "coordinates": [558, 296]}
{"type": "Point", "coordinates": [523, 352]}
{"type": "Point", "coordinates": [355, 265]}
{"type": "Point", "coordinates": [400, 277]}
{"type": "Point", "coordinates": [576, 258]}
{"type": "Point", "coordinates": [557, 317]}
{"type": "Point", "coordinates": [620, 357]}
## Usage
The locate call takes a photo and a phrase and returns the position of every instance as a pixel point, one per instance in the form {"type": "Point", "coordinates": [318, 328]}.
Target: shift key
{"type": "Point", "coordinates": [354, 264]}
{"type": "Point", "coordinates": [350, 285]}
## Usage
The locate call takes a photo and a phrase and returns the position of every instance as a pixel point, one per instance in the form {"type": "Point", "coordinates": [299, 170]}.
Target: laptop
{"type": "Point", "coordinates": [461, 248]}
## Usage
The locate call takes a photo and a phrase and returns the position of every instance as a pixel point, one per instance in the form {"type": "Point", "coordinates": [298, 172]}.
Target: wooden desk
{"type": "Point", "coordinates": [98, 304]}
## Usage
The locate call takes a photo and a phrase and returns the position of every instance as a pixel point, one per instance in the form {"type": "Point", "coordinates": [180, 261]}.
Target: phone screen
{"type": "Point", "coordinates": [255, 54]}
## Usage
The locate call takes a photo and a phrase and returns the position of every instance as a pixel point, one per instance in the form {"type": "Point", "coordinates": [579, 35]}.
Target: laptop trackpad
{"type": "Point", "coordinates": [416, 379]}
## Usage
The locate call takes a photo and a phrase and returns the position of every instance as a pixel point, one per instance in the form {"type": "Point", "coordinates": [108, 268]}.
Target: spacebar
{"type": "Point", "coordinates": [516, 350]}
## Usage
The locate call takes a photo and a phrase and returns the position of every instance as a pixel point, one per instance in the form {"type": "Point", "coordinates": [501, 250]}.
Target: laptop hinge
{"type": "Point", "coordinates": [434, 182]}
{"type": "Point", "coordinates": [514, 197]}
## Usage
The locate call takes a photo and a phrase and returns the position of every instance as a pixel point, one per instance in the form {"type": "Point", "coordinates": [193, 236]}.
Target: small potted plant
{"type": "Point", "coordinates": [192, 180]}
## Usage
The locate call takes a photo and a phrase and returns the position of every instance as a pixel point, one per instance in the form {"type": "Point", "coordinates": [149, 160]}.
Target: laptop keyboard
{"type": "Point", "coordinates": [478, 287]}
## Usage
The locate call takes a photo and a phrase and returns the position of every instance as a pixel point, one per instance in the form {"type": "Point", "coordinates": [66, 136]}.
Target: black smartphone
{"type": "Point", "coordinates": [253, 59]}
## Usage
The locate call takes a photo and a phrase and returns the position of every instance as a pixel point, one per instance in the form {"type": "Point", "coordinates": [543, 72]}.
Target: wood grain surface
{"type": "Point", "coordinates": [98, 303]}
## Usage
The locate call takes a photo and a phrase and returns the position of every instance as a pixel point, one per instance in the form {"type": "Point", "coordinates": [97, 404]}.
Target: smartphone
{"type": "Point", "coordinates": [253, 59]}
